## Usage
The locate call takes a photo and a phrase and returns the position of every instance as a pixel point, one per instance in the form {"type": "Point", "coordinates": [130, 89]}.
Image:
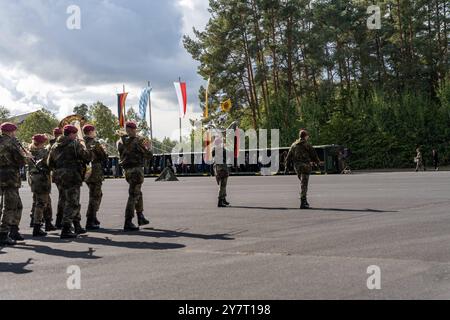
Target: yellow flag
{"type": "Point", "coordinates": [206, 113]}
{"type": "Point", "coordinates": [226, 106]}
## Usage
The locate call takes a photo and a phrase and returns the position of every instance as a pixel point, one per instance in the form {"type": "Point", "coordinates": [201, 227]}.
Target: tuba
{"type": "Point", "coordinates": [79, 122]}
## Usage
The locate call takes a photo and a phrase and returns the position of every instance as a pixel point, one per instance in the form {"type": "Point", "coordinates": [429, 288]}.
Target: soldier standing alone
{"type": "Point", "coordinates": [134, 150]}
{"type": "Point", "coordinates": [41, 185]}
{"type": "Point", "coordinates": [11, 160]}
{"type": "Point", "coordinates": [221, 170]}
{"type": "Point", "coordinates": [304, 156]}
{"type": "Point", "coordinates": [68, 159]}
{"type": "Point", "coordinates": [96, 178]}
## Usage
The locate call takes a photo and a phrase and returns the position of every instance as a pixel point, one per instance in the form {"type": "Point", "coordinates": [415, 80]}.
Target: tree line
{"type": "Point", "coordinates": [315, 64]}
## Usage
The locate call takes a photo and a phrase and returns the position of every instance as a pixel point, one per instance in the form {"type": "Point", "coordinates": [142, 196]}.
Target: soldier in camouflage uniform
{"type": "Point", "coordinates": [95, 180]}
{"type": "Point", "coordinates": [41, 185]}
{"type": "Point", "coordinates": [12, 158]}
{"type": "Point", "coordinates": [133, 151]}
{"type": "Point", "coordinates": [57, 132]}
{"type": "Point", "coordinates": [68, 159]}
{"type": "Point", "coordinates": [304, 156]}
{"type": "Point", "coordinates": [221, 170]}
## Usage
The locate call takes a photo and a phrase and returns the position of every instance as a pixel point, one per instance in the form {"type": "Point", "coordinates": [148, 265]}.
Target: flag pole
{"type": "Point", "coordinates": [150, 111]}
{"type": "Point", "coordinates": [124, 109]}
{"type": "Point", "coordinates": [181, 138]}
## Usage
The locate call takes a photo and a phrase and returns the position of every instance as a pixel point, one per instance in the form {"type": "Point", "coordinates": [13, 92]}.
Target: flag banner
{"type": "Point", "coordinates": [122, 98]}
{"type": "Point", "coordinates": [181, 89]}
{"type": "Point", "coordinates": [206, 113]}
{"type": "Point", "coordinates": [143, 102]}
{"type": "Point", "coordinates": [226, 105]}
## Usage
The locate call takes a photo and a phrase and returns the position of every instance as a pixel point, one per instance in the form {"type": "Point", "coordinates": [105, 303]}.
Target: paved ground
{"type": "Point", "coordinates": [263, 248]}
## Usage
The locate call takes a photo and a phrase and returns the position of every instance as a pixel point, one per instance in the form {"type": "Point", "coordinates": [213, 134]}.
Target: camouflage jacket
{"type": "Point", "coordinates": [132, 152]}
{"type": "Point", "coordinates": [39, 177]}
{"type": "Point", "coordinates": [68, 160]}
{"type": "Point", "coordinates": [11, 160]}
{"type": "Point", "coordinates": [302, 153]}
{"type": "Point", "coordinates": [99, 156]}
{"type": "Point", "coordinates": [221, 163]}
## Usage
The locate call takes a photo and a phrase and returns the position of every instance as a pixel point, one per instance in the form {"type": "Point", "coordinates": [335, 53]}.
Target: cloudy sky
{"type": "Point", "coordinates": [43, 63]}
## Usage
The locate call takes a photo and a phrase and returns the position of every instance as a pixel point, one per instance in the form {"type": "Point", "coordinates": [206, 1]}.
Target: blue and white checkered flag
{"type": "Point", "coordinates": [143, 102]}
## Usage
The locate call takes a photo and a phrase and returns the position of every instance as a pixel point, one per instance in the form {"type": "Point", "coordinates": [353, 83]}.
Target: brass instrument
{"type": "Point", "coordinates": [144, 141]}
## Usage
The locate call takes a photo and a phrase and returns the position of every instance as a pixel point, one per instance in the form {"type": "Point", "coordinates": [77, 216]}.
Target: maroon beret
{"type": "Point", "coordinates": [70, 129]}
{"type": "Point", "coordinates": [57, 131]}
{"type": "Point", "coordinates": [88, 128]}
{"type": "Point", "coordinates": [8, 127]}
{"type": "Point", "coordinates": [131, 125]}
{"type": "Point", "coordinates": [40, 138]}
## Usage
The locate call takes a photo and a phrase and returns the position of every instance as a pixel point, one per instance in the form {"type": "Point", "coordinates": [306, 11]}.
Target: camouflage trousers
{"type": "Point", "coordinates": [61, 200]}
{"type": "Point", "coordinates": [95, 199]}
{"type": "Point", "coordinates": [222, 182]}
{"type": "Point", "coordinates": [304, 182]}
{"type": "Point", "coordinates": [11, 211]}
{"type": "Point", "coordinates": [42, 207]}
{"type": "Point", "coordinates": [135, 203]}
{"type": "Point", "coordinates": [71, 205]}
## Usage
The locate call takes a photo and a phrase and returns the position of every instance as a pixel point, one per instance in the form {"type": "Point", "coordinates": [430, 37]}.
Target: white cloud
{"type": "Point", "coordinates": [44, 64]}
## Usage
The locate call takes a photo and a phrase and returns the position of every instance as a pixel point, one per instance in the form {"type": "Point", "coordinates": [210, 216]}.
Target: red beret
{"type": "Point", "coordinates": [70, 129]}
{"type": "Point", "coordinates": [8, 127]}
{"type": "Point", "coordinates": [88, 128]}
{"type": "Point", "coordinates": [57, 131]}
{"type": "Point", "coordinates": [131, 125]}
{"type": "Point", "coordinates": [40, 138]}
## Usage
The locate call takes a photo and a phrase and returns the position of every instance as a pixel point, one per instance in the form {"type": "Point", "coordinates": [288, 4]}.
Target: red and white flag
{"type": "Point", "coordinates": [180, 88]}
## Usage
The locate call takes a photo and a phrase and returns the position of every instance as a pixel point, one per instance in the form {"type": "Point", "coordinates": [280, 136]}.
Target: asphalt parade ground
{"type": "Point", "coordinates": [263, 247]}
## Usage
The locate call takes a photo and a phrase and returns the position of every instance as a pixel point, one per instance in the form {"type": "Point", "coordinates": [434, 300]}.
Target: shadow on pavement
{"type": "Point", "coordinates": [159, 233]}
{"type": "Point", "coordinates": [89, 254]}
{"type": "Point", "coordinates": [16, 268]}
{"type": "Point", "coordinates": [119, 244]}
{"type": "Point", "coordinates": [314, 209]}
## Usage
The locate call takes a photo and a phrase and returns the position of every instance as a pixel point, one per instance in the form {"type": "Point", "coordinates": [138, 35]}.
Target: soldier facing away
{"type": "Point", "coordinates": [68, 159]}
{"type": "Point", "coordinates": [221, 170]}
{"type": "Point", "coordinates": [57, 132]}
{"type": "Point", "coordinates": [303, 156]}
{"type": "Point", "coordinates": [96, 178]}
{"type": "Point", "coordinates": [134, 150]}
{"type": "Point", "coordinates": [12, 158]}
{"type": "Point", "coordinates": [41, 185]}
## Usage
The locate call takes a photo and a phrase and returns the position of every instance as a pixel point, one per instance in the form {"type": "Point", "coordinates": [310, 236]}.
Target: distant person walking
{"type": "Point", "coordinates": [419, 161]}
{"type": "Point", "coordinates": [435, 159]}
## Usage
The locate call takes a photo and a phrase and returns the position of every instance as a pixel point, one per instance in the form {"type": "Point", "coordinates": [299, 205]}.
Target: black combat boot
{"type": "Point", "coordinates": [5, 240]}
{"type": "Point", "coordinates": [15, 234]}
{"type": "Point", "coordinates": [97, 223]}
{"type": "Point", "coordinates": [49, 227]}
{"type": "Point", "coordinates": [58, 223]}
{"type": "Point", "coordinates": [226, 203]}
{"type": "Point", "coordinates": [221, 204]}
{"type": "Point", "coordinates": [141, 220]}
{"type": "Point", "coordinates": [91, 225]}
{"type": "Point", "coordinates": [129, 226]}
{"type": "Point", "coordinates": [304, 204]}
{"type": "Point", "coordinates": [38, 232]}
{"type": "Point", "coordinates": [78, 228]}
{"type": "Point", "coordinates": [67, 233]}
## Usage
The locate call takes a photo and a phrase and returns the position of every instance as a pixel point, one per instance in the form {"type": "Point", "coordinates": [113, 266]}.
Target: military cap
{"type": "Point", "coordinates": [131, 125]}
{"type": "Point", "coordinates": [8, 127]}
{"type": "Point", "coordinates": [40, 138]}
{"type": "Point", "coordinates": [69, 129]}
{"type": "Point", "coordinates": [57, 131]}
{"type": "Point", "coordinates": [88, 128]}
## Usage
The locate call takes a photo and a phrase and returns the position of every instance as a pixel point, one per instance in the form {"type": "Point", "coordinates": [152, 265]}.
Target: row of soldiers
{"type": "Point", "coordinates": [64, 161]}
